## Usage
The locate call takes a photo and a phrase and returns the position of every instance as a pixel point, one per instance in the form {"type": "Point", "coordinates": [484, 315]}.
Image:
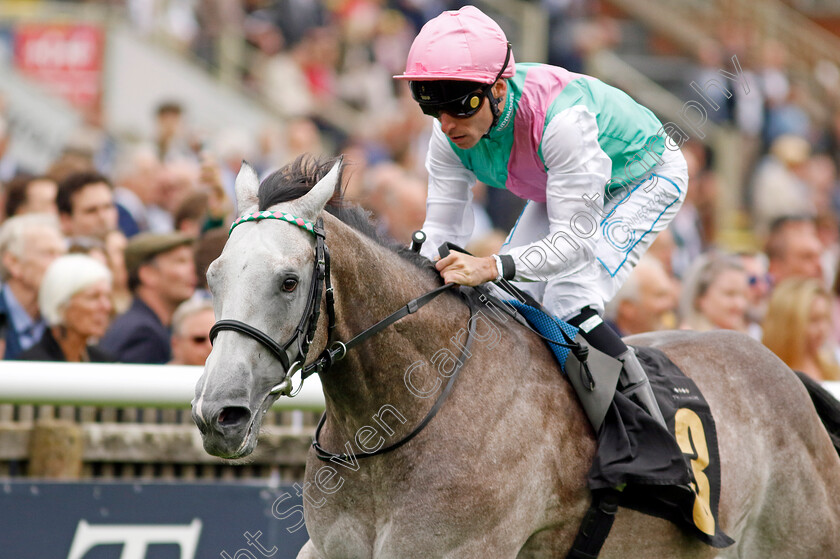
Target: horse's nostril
{"type": "Point", "coordinates": [233, 415]}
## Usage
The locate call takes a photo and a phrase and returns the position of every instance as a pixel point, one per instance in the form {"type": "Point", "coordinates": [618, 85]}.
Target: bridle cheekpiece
{"type": "Point", "coordinates": [305, 331]}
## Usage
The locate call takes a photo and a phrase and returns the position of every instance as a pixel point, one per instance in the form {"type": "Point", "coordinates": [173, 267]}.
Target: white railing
{"type": "Point", "coordinates": [23, 382]}
{"type": "Point", "coordinates": [112, 384]}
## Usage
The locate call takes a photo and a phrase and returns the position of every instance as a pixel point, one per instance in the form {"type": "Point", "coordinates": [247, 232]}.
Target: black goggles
{"type": "Point", "coordinates": [462, 107]}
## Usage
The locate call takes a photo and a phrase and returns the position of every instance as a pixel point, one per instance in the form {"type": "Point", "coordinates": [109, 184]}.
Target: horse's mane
{"type": "Point", "coordinates": [298, 177]}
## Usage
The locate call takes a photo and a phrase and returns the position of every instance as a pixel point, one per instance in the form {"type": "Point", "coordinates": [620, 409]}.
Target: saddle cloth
{"type": "Point", "coordinates": [673, 474]}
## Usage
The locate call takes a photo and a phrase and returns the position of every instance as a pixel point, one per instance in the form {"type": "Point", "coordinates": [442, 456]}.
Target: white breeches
{"type": "Point", "coordinates": [623, 229]}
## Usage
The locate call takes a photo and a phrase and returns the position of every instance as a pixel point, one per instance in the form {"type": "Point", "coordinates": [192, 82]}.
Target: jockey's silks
{"type": "Point", "coordinates": [511, 155]}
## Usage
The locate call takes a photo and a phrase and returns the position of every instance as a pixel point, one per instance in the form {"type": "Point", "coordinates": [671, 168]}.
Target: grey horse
{"type": "Point", "coordinates": [501, 469]}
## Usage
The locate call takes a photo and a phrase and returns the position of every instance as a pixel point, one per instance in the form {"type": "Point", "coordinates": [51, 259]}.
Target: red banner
{"type": "Point", "coordinates": [68, 59]}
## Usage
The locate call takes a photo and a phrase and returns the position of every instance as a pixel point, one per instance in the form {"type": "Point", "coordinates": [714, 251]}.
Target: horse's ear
{"type": "Point", "coordinates": [314, 201]}
{"type": "Point", "coordinates": [246, 186]}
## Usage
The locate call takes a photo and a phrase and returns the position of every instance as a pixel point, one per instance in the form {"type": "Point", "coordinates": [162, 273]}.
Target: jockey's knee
{"type": "Point", "coordinates": [598, 333]}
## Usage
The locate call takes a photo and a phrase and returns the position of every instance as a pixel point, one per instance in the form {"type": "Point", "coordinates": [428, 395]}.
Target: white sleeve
{"type": "Point", "coordinates": [449, 215]}
{"type": "Point", "coordinates": [578, 171]}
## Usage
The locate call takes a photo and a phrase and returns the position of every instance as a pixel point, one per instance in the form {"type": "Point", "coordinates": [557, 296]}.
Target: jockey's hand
{"type": "Point", "coordinates": [464, 269]}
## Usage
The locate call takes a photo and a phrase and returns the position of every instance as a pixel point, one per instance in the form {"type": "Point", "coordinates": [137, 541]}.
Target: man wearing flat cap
{"type": "Point", "coordinates": [161, 275]}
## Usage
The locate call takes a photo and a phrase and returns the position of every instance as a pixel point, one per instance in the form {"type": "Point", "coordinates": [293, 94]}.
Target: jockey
{"type": "Point", "coordinates": [600, 179]}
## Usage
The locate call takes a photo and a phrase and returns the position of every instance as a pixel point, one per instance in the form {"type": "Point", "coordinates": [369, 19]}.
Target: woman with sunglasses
{"type": "Point", "coordinates": [600, 179]}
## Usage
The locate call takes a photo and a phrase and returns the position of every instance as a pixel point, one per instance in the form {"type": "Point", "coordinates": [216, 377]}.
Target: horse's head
{"type": "Point", "coordinates": [261, 283]}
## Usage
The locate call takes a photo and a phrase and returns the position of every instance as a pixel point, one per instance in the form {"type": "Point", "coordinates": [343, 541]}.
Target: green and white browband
{"type": "Point", "coordinates": [282, 216]}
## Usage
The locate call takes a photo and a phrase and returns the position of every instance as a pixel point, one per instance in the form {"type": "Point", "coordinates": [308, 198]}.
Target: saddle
{"type": "Point", "coordinates": [672, 474]}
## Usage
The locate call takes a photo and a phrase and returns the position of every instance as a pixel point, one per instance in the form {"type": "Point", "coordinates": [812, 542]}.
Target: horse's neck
{"type": "Point", "coordinates": [371, 282]}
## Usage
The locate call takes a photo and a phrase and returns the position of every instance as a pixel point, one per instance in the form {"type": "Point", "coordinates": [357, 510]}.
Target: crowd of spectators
{"type": "Point", "coordinates": [781, 296]}
{"type": "Point", "coordinates": [155, 215]}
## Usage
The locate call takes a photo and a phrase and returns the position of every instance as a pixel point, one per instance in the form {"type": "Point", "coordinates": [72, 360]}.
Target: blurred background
{"type": "Point", "coordinates": [123, 124]}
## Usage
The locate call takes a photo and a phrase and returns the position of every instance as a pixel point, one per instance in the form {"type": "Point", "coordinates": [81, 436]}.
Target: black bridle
{"type": "Point", "coordinates": [335, 350]}
{"type": "Point", "coordinates": [305, 331]}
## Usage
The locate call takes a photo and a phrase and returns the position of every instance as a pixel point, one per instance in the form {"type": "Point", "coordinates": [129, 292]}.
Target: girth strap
{"type": "Point", "coordinates": [596, 525]}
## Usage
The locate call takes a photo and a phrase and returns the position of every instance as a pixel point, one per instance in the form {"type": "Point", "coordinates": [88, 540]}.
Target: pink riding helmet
{"type": "Point", "coordinates": [465, 45]}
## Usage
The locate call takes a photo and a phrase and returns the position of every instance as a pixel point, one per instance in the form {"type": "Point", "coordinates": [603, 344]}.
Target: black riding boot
{"type": "Point", "coordinates": [633, 381]}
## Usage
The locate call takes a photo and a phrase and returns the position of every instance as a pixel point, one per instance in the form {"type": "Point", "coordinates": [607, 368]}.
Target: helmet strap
{"type": "Point", "coordinates": [494, 107]}
{"type": "Point", "coordinates": [494, 101]}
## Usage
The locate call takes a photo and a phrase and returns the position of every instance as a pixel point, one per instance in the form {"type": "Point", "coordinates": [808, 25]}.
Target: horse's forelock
{"type": "Point", "coordinates": [296, 179]}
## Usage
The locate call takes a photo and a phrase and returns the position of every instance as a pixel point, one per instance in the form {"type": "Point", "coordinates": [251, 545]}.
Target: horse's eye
{"type": "Point", "coordinates": [289, 285]}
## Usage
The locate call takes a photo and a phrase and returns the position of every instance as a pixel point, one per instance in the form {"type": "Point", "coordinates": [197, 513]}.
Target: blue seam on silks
{"type": "Point", "coordinates": [549, 326]}
{"type": "Point", "coordinates": [510, 235]}
{"type": "Point", "coordinates": [627, 252]}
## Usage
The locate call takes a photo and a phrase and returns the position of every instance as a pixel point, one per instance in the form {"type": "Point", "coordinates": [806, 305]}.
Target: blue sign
{"type": "Point", "coordinates": [52, 520]}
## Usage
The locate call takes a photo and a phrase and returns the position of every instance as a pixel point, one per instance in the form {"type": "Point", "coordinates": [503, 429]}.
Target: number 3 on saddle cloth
{"type": "Point", "coordinates": [673, 474]}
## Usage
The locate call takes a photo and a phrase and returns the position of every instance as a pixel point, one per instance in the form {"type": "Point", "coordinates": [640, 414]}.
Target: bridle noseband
{"type": "Point", "coordinates": [305, 331]}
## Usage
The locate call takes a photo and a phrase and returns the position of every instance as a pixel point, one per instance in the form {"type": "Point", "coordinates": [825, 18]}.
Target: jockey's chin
{"type": "Point", "coordinates": [466, 132]}
{"type": "Point", "coordinates": [464, 141]}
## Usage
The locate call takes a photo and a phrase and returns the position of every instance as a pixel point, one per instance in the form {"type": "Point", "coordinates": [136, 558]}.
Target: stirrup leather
{"type": "Point", "coordinates": [633, 382]}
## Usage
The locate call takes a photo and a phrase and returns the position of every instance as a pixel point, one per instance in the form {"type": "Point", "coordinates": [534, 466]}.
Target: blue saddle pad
{"type": "Point", "coordinates": [549, 326]}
